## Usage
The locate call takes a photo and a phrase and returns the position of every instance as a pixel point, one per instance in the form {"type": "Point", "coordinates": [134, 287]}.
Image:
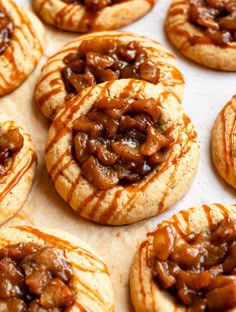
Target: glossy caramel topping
{"type": "Point", "coordinates": [34, 279]}
{"type": "Point", "coordinates": [98, 60]}
{"type": "Point", "coordinates": [216, 17]}
{"type": "Point", "coordinates": [6, 30]}
{"type": "Point", "coordinates": [94, 5]}
{"type": "Point", "coordinates": [119, 141]}
{"type": "Point", "coordinates": [199, 269]}
{"type": "Point", "coordinates": [11, 141]}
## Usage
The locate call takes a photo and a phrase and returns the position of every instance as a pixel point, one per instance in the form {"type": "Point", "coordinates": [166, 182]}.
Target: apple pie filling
{"type": "Point", "coordinates": [11, 141]}
{"type": "Point", "coordinates": [199, 269]}
{"type": "Point", "coordinates": [119, 141]}
{"type": "Point", "coordinates": [216, 17]}
{"type": "Point", "coordinates": [99, 60]}
{"type": "Point", "coordinates": [34, 279]}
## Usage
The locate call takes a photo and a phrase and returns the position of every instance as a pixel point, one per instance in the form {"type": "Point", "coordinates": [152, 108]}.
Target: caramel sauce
{"type": "Point", "coordinates": [144, 253]}
{"type": "Point", "coordinates": [46, 96]}
{"type": "Point", "coordinates": [228, 142]}
{"type": "Point", "coordinates": [99, 198]}
{"type": "Point", "coordinates": [74, 185]}
{"type": "Point", "coordinates": [112, 207]}
{"type": "Point", "coordinates": [88, 291]}
{"type": "Point", "coordinates": [66, 245]}
{"type": "Point", "coordinates": [55, 166]}
{"type": "Point", "coordinates": [85, 202]}
{"type": "Point", "coordinates": [9, 186]}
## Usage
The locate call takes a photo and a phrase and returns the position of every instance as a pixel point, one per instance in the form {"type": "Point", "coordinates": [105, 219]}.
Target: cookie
{"type": "Point", "coordinates": [59, 271]}
{"type": "Point", "coordinates": [91, 15]}
{"type": "Point", "coordinates": [223, 142]}
{"type": "Point", "coordinates": [102, 56]}
{"type": "Point", "coordinates": [17, 167]}
{"type": "Point", "coordinates": [122, 151]}
{"type": "Point", "coordinates": [21, 45]}
{"type": "Point", "coordinates": [187, 263]}
{"type": "Point", "coordinates": [204, 31]}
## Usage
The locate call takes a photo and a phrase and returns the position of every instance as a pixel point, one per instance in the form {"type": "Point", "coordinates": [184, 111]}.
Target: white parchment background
{"type": "Point", "coordinates": [206, 92]}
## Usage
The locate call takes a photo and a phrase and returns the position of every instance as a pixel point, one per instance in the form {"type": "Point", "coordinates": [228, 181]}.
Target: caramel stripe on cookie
{"type": "Point", "coordinates": [90, 265]}
{"type": "Point", "coordinates": [228, 136]}
{"type": "Point", "coordinates": [77, 17]}
{"type": "Point", "coordinates": [24, 41]}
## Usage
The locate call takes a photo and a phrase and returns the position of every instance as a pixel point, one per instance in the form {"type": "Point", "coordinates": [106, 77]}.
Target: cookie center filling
{"type": "Point", "coordinates": [6, 30]}
{"type": "Point", "coordinates": [199, 269]}
{"type": "Point", "coordinates": [119, 141]}
{"type": "Point", "coordinates": [11, 141]}
{"type": "Point", "coordinates": [98, 60]}
{"type": "Point", "coordinates": [216, 17]}
{"type": "Point", "coordinates": [34, 279]}
{"type": "Point", "coordinates": [94, 5]}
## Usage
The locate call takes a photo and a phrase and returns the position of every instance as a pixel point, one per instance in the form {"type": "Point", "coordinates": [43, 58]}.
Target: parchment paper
{"type": "Point", "coordinates": [206, 92]}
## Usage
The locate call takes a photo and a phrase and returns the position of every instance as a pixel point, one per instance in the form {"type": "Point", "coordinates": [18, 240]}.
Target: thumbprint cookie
{"type": "Point", "coordinates": [91, 15]}
{"type": "Point", "coordinates": [122, 151]}
{"type": "Point", "coordinates": [223, 142]}
{"type": "Point", "coordinates": [51, 270]}
{"type": "Point", "coordinates": [102, 56]}
{"type": "Point", "coordinates": [204, 31]}
{"type": "Point", "coordinates": [17, 167]}
{"type": "Point", "coordinates": [21, 45]}
{"type": "Point", "coordinates": [188, 263]}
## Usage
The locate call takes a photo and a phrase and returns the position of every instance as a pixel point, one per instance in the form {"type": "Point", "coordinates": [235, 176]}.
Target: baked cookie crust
{"type": "Point", "coordinates": [25, 47]}
{"type": "Point", "coordinates": [16, 184]}
{"type": "Point", "coordinates": [78, 18]}
{"type": "Point", "coordinates": [223, 142]}
{"type": "Point", "coordinates": [91, 279]}
{"type": "Point", "coordinates": [158, 191]}
{"type": "Point", "coordinates": [50, 90]}
{"type": "Point", "coordinates": [146, 294]}
{"type": "Point", "coordinates": [192, 41]}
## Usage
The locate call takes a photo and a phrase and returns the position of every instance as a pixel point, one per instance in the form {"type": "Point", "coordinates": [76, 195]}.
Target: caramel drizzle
{"type": "Point", "coordinates": [144, 261]}
{"type": "Point", "coordinates": [170, 76]}
{"type": "Point", "coordinates": [110, 211]}
{"type": "Point", "coordinates": [148, 288]}
{"type": "Point", "coordinates": [96, 265]}
{"type": "Point", "coordinates": [88, 291]}
{"type": "Point", "coordinates": [228, 132]}
{"type": "Point", "coordinates": [66, 13]}
{"type": "Point", "coordinates": [16, 178]}
{"type": "Point", "coordinates": [184, 228]}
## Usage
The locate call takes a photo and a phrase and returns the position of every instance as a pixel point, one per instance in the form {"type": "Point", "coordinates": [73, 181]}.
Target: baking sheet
{"type": "Point", "coordinates": [206, 92]}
